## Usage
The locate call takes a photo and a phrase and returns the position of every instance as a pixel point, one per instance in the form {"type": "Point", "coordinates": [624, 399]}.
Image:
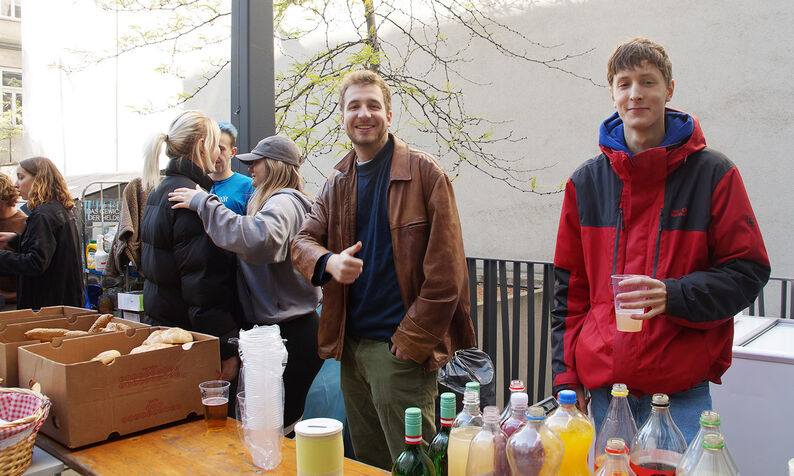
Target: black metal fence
{"type": "Point", "coordinates": [511, 302]}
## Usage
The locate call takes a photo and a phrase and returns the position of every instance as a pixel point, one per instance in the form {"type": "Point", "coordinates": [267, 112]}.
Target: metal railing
{"type": "Point", "coordinates": [513, 325]}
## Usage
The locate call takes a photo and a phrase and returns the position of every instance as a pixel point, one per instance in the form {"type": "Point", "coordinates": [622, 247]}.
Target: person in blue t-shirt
{"type": "Point", "coordinates": [233, 189]}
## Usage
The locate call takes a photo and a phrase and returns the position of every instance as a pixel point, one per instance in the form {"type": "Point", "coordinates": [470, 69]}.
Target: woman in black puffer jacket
{"type": "Point", "coordinates": [190, 282]}
{"type": "Point", "coordinates": [48, 259]}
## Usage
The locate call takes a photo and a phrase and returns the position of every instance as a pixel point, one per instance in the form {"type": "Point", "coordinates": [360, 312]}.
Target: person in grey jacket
{"type": "Point", "coordinates": [271, 291]}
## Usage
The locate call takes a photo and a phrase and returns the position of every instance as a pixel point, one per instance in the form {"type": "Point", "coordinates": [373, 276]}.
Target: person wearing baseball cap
{"type": "Point", "coordinates": [271, 290]}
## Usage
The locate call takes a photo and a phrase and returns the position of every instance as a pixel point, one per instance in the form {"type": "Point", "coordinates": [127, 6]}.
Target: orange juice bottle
{"type": "Point", "coordinates": [576, 432]}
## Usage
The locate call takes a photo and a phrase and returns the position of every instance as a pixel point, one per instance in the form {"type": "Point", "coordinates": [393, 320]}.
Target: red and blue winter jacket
{"type": "Point", "coordinates": [678, 213]}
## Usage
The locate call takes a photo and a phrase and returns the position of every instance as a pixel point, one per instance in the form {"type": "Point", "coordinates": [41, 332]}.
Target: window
{"type": "Point", "coordinates": [11, 88]}
{"type": "Point", "coordinates": [11, 8]}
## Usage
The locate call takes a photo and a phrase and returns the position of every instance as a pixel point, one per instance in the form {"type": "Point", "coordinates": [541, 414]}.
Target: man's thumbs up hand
{"type": "Point", "coordinates": [345, 267]}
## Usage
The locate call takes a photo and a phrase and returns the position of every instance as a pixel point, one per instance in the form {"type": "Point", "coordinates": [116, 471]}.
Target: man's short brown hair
{"type": "Point", "coordinates": [8, 193]}
{"type": "Point", "coordinates": [364, 76]}
{"type": "Point", "coordinates": [633, 53]}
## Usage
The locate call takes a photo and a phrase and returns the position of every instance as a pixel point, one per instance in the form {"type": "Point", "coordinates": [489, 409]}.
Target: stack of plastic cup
{"type": "Point", "coordinates": [263, 356]}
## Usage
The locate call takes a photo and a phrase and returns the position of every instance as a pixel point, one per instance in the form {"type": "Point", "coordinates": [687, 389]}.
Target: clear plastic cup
{"type": "Point", "coordinates": [215, 397]}
{"type": "Point", "coordinates": [624, 322]}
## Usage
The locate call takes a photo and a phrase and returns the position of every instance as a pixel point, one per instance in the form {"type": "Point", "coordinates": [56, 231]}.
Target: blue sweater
{"type": "Point", "coordinates": [234, 192]}
{"type": "Point", "coordinates": [375, 306]}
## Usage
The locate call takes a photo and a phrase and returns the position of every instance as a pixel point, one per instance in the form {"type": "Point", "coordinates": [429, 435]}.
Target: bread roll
{"type": "Point", "coordinates": [115, 327]}
{"type": "Point", "coordinates": [101, 322]}
{"type": "Point", "coordinates": [76, 333]}
{"type": "Point", "coordinates": [45, 334]}
{"type": "Point", "coordinates": [107, 356]}
{"type": "Point", "coordinates": [149, 347]}
{"type": "Point", "coordinates": [174, 335]}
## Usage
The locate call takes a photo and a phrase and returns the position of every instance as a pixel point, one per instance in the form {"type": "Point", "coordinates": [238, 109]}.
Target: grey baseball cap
{"type": "Point", "coordinates": [274, 147]}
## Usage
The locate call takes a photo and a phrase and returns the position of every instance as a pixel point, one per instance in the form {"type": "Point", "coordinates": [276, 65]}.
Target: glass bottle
{"type": "Point", "coordinates": [518, 415]}
{"type": "Point", "coordinates": [438, 447]}
{"type": "Point", "coordinates": [615, 462]}
{"type": "Point", "coordinates": [709, 423]}
{"type": "Point", "coordinates": [516, 386]}
{"type": "Point", "coordinates": [576, 432]}
{"type": "Point", "coordinates": [487, 449]}
{"type": "Point", "coordinates": [713, 461]}
{"type": "Point", "coordinates": [413, 461]}
{"type": "Point", "coordinates": [466, 425]}
{"type": "Point", "coordinates": [618, 423]}
{"type": "Point", "coordinates": [659, 444]}
{"type": "Point", "coordinates": [534, 450]}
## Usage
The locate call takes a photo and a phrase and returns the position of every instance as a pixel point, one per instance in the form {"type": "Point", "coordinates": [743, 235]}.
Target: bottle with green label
{"type": "Point", "coordinates": [413, 461]}
{"type": "Point", "coordinates": [438, 447]}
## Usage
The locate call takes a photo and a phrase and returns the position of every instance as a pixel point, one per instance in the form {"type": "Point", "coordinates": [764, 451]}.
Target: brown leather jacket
{"type": "Point", "coordinates": [428, 256]}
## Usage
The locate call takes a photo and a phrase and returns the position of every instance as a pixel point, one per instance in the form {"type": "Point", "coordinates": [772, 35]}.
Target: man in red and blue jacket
{"type": "Point", "coordinates": [656, 202]}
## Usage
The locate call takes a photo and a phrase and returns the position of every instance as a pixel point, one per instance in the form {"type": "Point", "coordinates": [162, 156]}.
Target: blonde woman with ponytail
{"type": "Point", "coordinates": [48, 258]}
{"type": "Point", "coordinates": [190, 282]}
{"type": "Point", "coordinates": [271, 290]}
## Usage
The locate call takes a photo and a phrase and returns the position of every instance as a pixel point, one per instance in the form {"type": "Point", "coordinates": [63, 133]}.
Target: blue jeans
{"type": "Point", "coordinates": [685, 407]}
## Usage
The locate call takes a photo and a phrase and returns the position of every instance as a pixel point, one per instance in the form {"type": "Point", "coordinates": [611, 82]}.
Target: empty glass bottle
{"type": "Point", "coordinates": [438, 447]}
{"type": "Point", "coordinates": [615, 462]}
{"type": "Point", "coordinates": [713, 461]}
{"type": "Point", "coordinates": [709, 423]}
{"type": "Point", "coordinates": [487, 449]}
{"type": "Point", "coordinates": [515, 387]}
{"type": "Point", "coordinates": [658, 446]}
{"type": "Point", "coordinates": [413, 461]}
{"type": "Point", "coordinates": [534, 450]}
{"type": "Point", "coordinates": [618, 423]}
{"type": "Point", "coordinates": [466, 425]}
{"type": "Point", "coordinates": [518, 415]}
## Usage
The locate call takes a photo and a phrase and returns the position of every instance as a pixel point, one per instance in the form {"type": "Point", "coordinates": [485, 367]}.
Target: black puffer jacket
{"type": "Point", "coordinates": [48, 262]}
{"type": "Point", "coordinates": [190, 282]}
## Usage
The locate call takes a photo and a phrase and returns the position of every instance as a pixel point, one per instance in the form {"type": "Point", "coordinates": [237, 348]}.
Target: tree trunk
{"type": "Point", "coordinates": [372, 33]}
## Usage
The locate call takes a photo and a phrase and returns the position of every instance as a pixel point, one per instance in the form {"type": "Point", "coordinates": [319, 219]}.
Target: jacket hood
{"type": "Point", "coordinates": [301, 198]}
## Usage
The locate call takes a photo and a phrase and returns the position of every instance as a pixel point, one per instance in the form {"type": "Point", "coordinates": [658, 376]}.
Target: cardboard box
{"type": "Point", "coordinates": [12, 336]}
{"type": "Point", "coordinates": [132, 301]}
{"type": "Point", "coordinates": [52, 312]}
{"type": "Point", "coordinates": [92, 401]}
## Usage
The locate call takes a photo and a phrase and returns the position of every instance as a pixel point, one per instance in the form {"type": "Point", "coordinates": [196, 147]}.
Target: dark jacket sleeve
{"type": "Point", "coordinates": [36, 247]}
{"type": "Point", "coordinates": [207, 278]}
{"type": "Point", "coordinates": [704, 299]}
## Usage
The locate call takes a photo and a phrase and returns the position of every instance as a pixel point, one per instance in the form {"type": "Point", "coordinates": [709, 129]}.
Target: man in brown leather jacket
{"type": "Point", "coordinates": [384, 240]}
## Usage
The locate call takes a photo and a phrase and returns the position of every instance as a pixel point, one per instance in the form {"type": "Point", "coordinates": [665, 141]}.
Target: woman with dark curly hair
{"type": "Point", "coordinates": [11, 220]}
{"type": "Point", "coordinates": [47, 258]}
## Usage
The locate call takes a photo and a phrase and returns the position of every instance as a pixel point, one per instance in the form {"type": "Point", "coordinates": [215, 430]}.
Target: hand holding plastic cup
{"type": "Point", "coordinates": [215, 397]}
{"type": "Point", "coordinates": [624, 322]}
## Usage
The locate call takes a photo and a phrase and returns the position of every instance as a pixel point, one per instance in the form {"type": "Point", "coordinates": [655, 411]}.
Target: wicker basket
{"type": "Point", "coordinates": [24, 411]}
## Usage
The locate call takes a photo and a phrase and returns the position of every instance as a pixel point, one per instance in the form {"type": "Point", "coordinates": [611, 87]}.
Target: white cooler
{"type": "Point", "coordinates": [756, 398]}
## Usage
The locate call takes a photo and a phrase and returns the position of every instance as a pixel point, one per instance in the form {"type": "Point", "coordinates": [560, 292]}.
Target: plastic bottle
{"type": "Point", "coordinates": [518, 416]}
{"type": "Point", "coordinates": [516, 386]}
{"type": "Point", "coordinates": [659, 445]}
{"type": "Point", "coordinates": [101, 256]}
{"type": "Point", "coordinates": [576, 431]}
{"type": "Point", "coordinates": [466, 425]}
{"type": "Point", "coordinates": [615, 462]}
{"type": "Point", "coordinates": [438, 447]}
{"type": "Point", "coordinates": [618, 423]}
{"type": "Point", "coordinates": [413, 461]}
{"type": "Point", "coordinates": [534, 450]}
{"type": "Point", "coordinates": [709, 423]}
{"type": "Point", "coordinates": [713, 461]}
{"type": "Point", "coordinates": [487, 449]}
{"type": "Point", "coordinates": [90, 251]}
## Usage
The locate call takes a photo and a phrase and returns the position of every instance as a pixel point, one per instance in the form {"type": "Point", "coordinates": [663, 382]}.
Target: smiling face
{"type": "Point", "coordinates": [640, 95]}
{"type": "Point", "coordinates": [257, 171]}
{"type": "Point", "coordinates": [24, 182]}
{"type": "Point", "coordinates": [365, 118]}
{"type": "Point", "coordinates": [227, 151]}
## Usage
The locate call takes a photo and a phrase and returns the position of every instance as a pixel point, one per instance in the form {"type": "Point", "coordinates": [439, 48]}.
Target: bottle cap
{"type": "Point", "coordinates": [517, 386]}
{"type": "Point", "coordinates": [660, 400]}
{"type": "Point", "coordinates": [536, 413]}
{"type": "Point", "coordinates": [566, 397]}
{"type": "Point", "coordinates": [713, 441]}
{"type": "Point", "coordinates": [447, 407]}
{"type": "Point", "coordinates": [616, 446]}
{"type": "Point", "coordinates": [413, 422]}
{"type": "Point", "coordinates": [491, 414]}
{"type": "Point", "coordinates": [473, 386]}
{"type": "Point", "coordinates": [620, 390]}
{"type": "Point", "coordinates": [519, 400]}
{"type": "Point", "coordinates": [710, 418]}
